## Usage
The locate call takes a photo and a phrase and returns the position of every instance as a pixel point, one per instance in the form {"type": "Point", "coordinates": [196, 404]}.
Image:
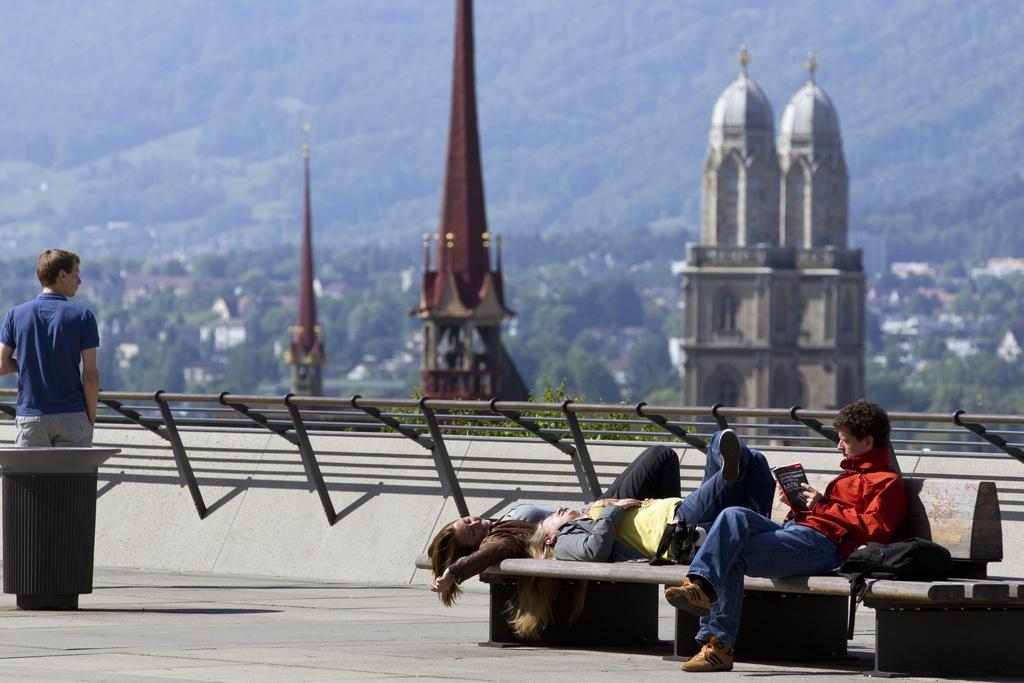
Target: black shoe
{"type": "Point", "coordinates": [729, 447]}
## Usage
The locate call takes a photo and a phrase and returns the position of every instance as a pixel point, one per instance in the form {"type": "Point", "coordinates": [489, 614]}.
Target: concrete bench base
{"type": "Point", "coordinates": [614, 615]}
{"type": "Point", "coordinates": [962, 641]}
{"type": "Point", "coordinates": [779, 627]}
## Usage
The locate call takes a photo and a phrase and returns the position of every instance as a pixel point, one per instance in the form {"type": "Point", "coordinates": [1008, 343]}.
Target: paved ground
{"type": "Point", "coordinates": [140, 626]}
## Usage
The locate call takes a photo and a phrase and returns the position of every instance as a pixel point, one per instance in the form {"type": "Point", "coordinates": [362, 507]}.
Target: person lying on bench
{"type": "Point", "coordinates": [734, 475]}
{"type": "Point", "coordinates": [628, 529]}
{"type": "Point", "coordinates": [866, 502]}
{"type": "Point", "coordinates": [467, 546]}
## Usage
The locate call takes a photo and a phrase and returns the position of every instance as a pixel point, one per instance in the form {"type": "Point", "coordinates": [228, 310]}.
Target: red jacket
{"type": "Point", "coordinates": [867, 502]}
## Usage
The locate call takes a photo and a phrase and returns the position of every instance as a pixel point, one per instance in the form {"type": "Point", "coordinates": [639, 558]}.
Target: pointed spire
{"type": "Point", "coordinates": [743, 58]}
{"type": "Point", "coordinates": [307, 330]}
{"type": "Point", "coordinates": [811, 65]}
{"type": "Point", "coordinates": [426, 253]}
{"type": "Point", "coordinates": [497, 265]}
{"type": "Point", "coordinates": [463, 216]}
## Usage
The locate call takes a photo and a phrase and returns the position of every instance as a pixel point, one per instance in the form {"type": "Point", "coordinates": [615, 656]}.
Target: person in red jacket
{"type": "Point", "coordinates": [866, 502]}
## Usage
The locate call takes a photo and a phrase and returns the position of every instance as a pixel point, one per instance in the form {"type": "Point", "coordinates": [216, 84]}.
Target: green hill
{"type": "Point", "coordinates": [183, 118]}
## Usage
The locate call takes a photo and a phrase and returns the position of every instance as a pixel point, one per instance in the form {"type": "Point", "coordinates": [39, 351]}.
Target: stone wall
{"type": "Point", "coordinates": [264, 519]}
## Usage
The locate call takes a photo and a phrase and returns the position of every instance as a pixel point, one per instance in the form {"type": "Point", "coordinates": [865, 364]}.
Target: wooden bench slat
{"type": "Point", "coordinates": [638, 572]}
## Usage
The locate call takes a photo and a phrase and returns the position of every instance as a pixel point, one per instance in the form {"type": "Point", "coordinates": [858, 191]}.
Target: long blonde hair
{"type": "Point", "coordinates": [444, 550]}
{"type": "Point", "coordinates": [530, 613]}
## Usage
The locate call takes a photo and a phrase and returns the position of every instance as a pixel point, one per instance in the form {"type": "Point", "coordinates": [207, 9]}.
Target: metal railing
{"type": "Point", "coordinates": [568, 426]}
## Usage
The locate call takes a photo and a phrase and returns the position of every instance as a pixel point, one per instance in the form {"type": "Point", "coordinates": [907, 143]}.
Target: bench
{"type": "Point", "coordinates": [967, 625]}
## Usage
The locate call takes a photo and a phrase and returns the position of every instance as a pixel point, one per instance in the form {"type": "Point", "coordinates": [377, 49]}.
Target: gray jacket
{"type": "Point", "coordinates": [593, 540]}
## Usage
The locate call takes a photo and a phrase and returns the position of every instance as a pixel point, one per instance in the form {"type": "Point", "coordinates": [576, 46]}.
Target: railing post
{"type": "Point", "coordinates": [258, 418]}
{"type": "Point", "coordinates": [180, 456]}
{"type": "Point", "coordinates": [809, 422]}
{"type": "Point", "coordinates": [442, 461]}
{"type": "Point", "coordinates": [581, 461]}
{"type": "Point", "coordinates": [586, 487]}
{"type": "Point", "coordinates": [994, 439]}
{"type": "Point", "coordinates": [695, 441]}
{"type": "Point", "coordinates": [133, 416]}
{"type": "Point", "coordinates": [720, 419]}
{"type": "Point", "coordinates": [309, 463]}
{"type": "Point", "coordinates": [392, 422]}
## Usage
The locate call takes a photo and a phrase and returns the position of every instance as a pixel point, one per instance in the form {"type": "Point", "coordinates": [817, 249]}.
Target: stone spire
{"type": "Point", "coordinates": [307, 354]}
{"type": "Point", "coordinates": [462, 302]}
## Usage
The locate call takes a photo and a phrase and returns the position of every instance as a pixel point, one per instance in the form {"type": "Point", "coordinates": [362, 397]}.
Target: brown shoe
{"type": "Point", "coordinates": [714, 656]}
{"type": "Point", "coordinates": [689, 597]}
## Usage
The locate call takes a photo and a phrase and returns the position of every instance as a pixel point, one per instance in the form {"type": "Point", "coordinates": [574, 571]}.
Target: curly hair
{"type": "Point", "coordinates": [863, 418]}
{"type": "Point", "coordinates": [444, 550]}
{"type": "Point", "coordinates": [530, 612]}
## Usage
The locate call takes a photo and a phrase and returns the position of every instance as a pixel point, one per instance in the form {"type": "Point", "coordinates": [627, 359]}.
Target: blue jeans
{"type": "Point", "coordinates": [754, 488]}
{"type": "Point", "coordinates": [743, 541]}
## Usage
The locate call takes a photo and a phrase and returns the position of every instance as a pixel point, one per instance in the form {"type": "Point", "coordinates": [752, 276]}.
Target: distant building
{"type": "Point", "coordinates": [225, 307]}
{"type": "Point", "coordinates": [200, 374]}
{"type": "Point", "coordinates": [462, 299]}
{"type": "Point", "coordinates": [1010, 346]}
{"type": "Point", "coordinates": [774, 299]}
{"type": "Point", "coordinates": [125, 353]}
{"type": "Point", "coordinates": [904, 269]}
{"type": "Point", "coordinates": [999, 267]}
{"type": "Point", "coordinates": [962, 347]}
{"type": "Point", "coordinates": [306, 355]}
{"type": "Point", "coordinates": [225, 334]}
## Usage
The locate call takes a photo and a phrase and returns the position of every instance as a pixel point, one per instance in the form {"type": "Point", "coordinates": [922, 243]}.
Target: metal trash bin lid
{"type": "Point", "coordinates": [63, 460]}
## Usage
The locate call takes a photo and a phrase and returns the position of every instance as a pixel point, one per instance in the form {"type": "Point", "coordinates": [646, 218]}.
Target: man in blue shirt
{"type": "Point", "coordinates": [51, 344]}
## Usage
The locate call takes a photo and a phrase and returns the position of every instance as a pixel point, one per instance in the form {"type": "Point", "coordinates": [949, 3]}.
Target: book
{"type": "Point", "coordinates": [790, 478]}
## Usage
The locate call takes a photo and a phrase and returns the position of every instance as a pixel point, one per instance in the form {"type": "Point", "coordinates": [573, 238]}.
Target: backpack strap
{"type": "Point", "coordinates": [666, 541]}
{"type": "Point", "coordinates": [859, 586]}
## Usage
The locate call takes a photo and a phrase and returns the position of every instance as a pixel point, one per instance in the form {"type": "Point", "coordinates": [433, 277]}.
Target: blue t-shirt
{"type": "Point", "coordinates": [48, 335]}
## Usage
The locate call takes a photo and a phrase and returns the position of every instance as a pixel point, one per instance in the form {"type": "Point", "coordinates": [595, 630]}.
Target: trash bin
{"type": "Point", "coordinates": [49, 523]}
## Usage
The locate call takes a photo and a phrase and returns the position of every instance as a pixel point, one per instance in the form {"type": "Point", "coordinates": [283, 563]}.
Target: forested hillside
{"type": "Point", "coordinates": [178, 122]}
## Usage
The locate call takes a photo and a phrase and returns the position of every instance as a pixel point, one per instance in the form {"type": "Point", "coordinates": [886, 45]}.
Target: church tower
{"type": "Point", "coordinates": [814, 185]}
{"type": "Point", "coordinates": [306, 356]}
{"type": "Point", "coordinates": [741, 171]}
{"type": "Point", "coordinates": [813, 221]}
{"type": "Point", "coordinates": [462, 300]}
{"type": "Point", "coordinates": [774, 300]}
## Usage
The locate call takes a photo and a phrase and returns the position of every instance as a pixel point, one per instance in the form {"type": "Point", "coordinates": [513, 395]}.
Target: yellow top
{"type": "Point", "coordinates": [642, 527]}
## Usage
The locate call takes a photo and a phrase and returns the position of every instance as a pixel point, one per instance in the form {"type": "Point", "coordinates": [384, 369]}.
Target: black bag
{"type": "Point", "coordinates": [680, 540]}
{"type": "Point", "coordinates": [912, 559]}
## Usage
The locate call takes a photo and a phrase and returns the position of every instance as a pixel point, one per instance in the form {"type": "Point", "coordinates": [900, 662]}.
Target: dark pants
{"type": "Point", "coordinates": [653, 474]}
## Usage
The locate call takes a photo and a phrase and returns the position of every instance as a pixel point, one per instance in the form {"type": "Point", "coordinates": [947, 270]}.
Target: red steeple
{"type": "Point", "coordinates": [463, 215]}
{"type": "Point", "coordinates": [305, 336]}
{"type": "Point", "coordinates": [462, 303]}
{"type": "Point", "coordinates": [463, 247]}
{"type": "Point", "coordinates": [306, 333]}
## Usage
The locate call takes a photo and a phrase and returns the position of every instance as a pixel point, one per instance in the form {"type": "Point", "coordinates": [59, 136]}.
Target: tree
{"type": "Point", "coordinates": [590, 377]}
{"type": "Point", "coordinates": [650, 367]}
{"type": "Point", "coordinates": [248, 366]}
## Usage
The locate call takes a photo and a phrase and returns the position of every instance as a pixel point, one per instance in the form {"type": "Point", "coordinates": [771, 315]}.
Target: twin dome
{"type": "Point", "coordinates": [743, 106]}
